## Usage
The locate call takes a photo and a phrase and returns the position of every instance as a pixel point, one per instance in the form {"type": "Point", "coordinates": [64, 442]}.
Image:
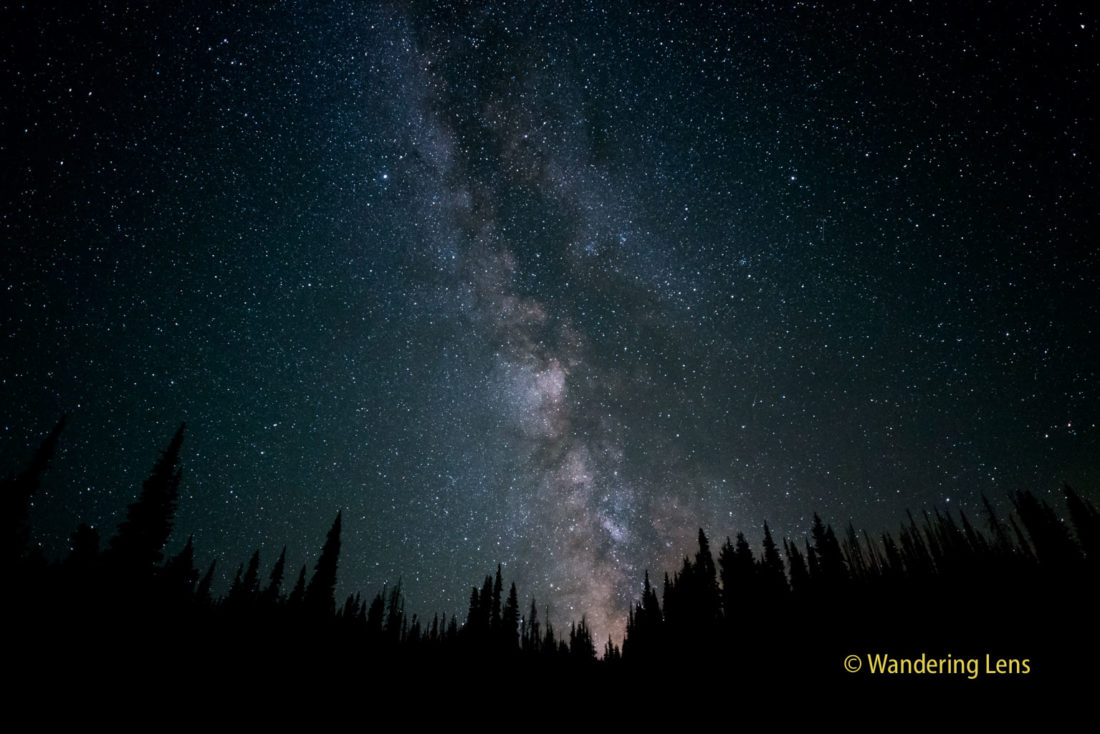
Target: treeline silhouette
{"type": "Point", "coordinates": [1023, 587]}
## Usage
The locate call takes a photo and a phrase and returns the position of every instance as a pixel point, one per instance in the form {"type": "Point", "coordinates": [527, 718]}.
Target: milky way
{"type": "Point", "coordinates": [547, 285]}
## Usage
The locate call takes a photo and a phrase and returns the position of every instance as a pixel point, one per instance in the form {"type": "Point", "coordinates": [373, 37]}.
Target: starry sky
{"type": "Point", "coordinates": [546, 284]}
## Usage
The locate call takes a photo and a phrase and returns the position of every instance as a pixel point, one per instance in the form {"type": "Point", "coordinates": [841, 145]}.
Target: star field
{"type": "Point", "coordinates": [546, 284]}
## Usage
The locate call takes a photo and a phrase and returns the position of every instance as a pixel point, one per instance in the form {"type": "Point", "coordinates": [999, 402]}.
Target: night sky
{"type": "Point", "coordinates": [546, 284]}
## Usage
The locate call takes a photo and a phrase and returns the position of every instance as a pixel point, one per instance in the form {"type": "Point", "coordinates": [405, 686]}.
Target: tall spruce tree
{"type": "Point", "coordinates": [827, 556]}
{"type": "Point", "coordinates": [509, 620]}
{"type": "Point", "coordinates": [395, 615]}
{"type": "Point", "coordinates": [581, 647]}
{"type": "Point", "coordinates": [773, 576]}
{"type": "Point", "coordinates": [180, 574]}
{"type": "Point", "coordinates": [298, 592]}
{"type": "Point", "coordinates": [484, 621]}
{"type": "Point", "coordinates": [275, 580]}
{"type": "Point", "coordinates": [320, 598]}
{"type": "Point", "coordinates": [494, 612]}
{"type": "Point", "coordinates": [473, 618]}
{"type": "Point", "coordinates": [202, 591]}
{"type": "Point", "coordinates": [531, 636]}
{"type": "Point", "coordinates": [706, 581]}
{"type": "Point", "coordinates": [1086, 523]}
{"type": "Point", "coordinates": [139, 545]}
{"type": "Point", "coordinates": [16, 492]}
{"type": "Point", "coordinates": [251, 581]}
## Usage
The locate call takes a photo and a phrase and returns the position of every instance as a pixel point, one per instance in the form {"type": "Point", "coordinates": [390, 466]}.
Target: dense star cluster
{"type": "Point", "coordinates": [546, 284]}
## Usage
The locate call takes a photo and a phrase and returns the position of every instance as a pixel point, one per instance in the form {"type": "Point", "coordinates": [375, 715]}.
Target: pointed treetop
{"type": "Point", "coordinates": [139, 544]}
{"type": "Point", "coordinates": [320, 594]}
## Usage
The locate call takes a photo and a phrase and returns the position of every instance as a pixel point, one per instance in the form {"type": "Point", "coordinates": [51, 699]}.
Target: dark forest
{"type": "Point", "coordinates": [990, 601]}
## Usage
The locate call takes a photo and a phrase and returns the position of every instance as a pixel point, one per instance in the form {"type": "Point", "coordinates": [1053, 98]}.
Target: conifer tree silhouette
{"type": "Point", "coordinates": [275, 580]}
{"type": "Point", "coordinates": [532, 639]}
{"type": "Point", "coordinates": [376, 614]}
{"type": "Point", "coordinates": [246, 585]}
{"type": "Point", "coordinates": [706, 581]}
{"type": "Point", "coordinates": [180, 574]}
{"type": "Point", "coordinates": [509, 620]}
{"type": "Point", "coordinates": [494, 612]}
{"type": "Point", "coordinates": [611, 652]}
{"type": "Point", "coordinates": [320, 596]}
{"type": "Point", "coordinates": [351, 608]}
{"type": "Point", "coordinates": [549, 640]}
{"type": "Point", "coordinates": [395, 616]}
{"type": "Point", "coordinates": [773, 578]}
{"type": "Point", "coordinates": [800, 574]}
{"type": "Point", "coordinates": [1086, 524]}
{"type": "Point", "coordinates": [16, 492]}
{"type": "Point", "coordinates": [202, 591]}
{"type": "Point", "coordinates": [827, 556]}
{"type": "Point", "coordinates": [233, 596]}
{"type": "Point", "coordinates": [1049, 537]}
{"type": "Point", "coordinates": [473, 618]}
{"type": "Point", "coordinates": [433, 632]}
{"type": "Point", "coordinates": [479, 620]}
{"type": "Point", "coordinates": [485, 618]}
{"type": "Point", "coordinates": [298, 593]}
{"type": "Point", "coordinates": [139, 544]}
{"type": "Point", "coordinates": [644, 626]}
{"type": "Point", "coordinates": [739, 578]}
{"type": "Point", "coordinates": [251, 581]}
{"type": "Point", "coordinates": [1000, 542]}
{"type": "Point", "coordinates": [581, 647]}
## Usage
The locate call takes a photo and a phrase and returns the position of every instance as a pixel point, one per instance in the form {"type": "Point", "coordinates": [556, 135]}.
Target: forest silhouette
{"type": "Point", "coordinates": [1021, 588]}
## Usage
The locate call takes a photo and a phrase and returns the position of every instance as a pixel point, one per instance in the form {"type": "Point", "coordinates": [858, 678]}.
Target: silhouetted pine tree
{"type": "Point", "coordinates": [1001, 544]}
{"type": "Point", "coordinates": [773, 576]}
{"type": "Point", "coordinates": [485, 618]}
{"type": "Point", "coordinates": [297, 595]}
{"type": "Point", "coordinates": [250, 583]}
{"type": "Point", "coordinates": [1049, 537]}
{"type": "Point", "coordinates": [532, 636]}
{"type": "Point", "coordinates": [202, 592]}
{"type": "Point", "coordinates": [581, 647]}
{"type": "Point", "coordinates": [395, 616]}
{"type": "Point", "coordinates": [376, 615]}
{"type": "Point", "coordinates": [739, 578]}
{"type": "Point", "coordinates": [800, 574]}
{"type": "Point", "coordinates": [1086, 524]}
{"type": "Point", "coordinates": [270, 594]}
{"type": "Point", "coordinates": [829, 557]}
{"type": "Point", "coordinates": [473, 617]}
{"type": "Point", "coordinates": [1023, 547]}
{"type": "Point", "coordinates": [15, 497]}
{"type": "Point", "coordinates": [494, 612]}
{"type": "Point", "coordinates": [853, 554]}
{"type": "Point", "coordinates": [509, 620]}
{"type": "Point", "coordinates": [412, 638]}
{"type": "Point", "coordinates": [706, 582]}
{"type": "Point", "coordinates": [138, 547]}
{"type": "Point", "coordinates": [320, 596]}
{"type": "Point", "coordinates": [350, 610]}
{"type": "Point", "coordinates": [612, 655]}
{"type": "Point", "coordinates": [978, 544]}
{"type": "Point", "coordinates": [644, 626]}
{"type": "Point", "coordinates": [549, 640]}
{"type": "Point", "coordinates": [233, 597]}
{"type": "Point", "coordinates": [180, 574]}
